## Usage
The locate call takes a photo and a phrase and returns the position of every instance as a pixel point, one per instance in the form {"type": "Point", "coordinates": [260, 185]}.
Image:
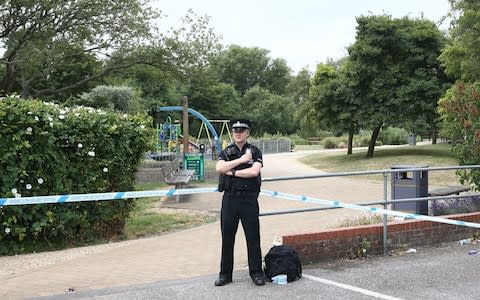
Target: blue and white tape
{"type": "Point", "coordinates": [172, 192]}
{"type": "Point", "coordinates": [375, 210]}
{"type": "Point", "coordinates": [101, 196]}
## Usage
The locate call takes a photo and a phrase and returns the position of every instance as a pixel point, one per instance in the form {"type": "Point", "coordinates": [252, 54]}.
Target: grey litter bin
{"type": "Point", "coordinates": [412, 139]}
{"type": "Point", "coordinates": [410, 184]}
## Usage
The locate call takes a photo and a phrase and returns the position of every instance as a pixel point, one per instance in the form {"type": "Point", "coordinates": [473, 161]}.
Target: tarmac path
{"type": "Point", "coordinates": [188, 253]}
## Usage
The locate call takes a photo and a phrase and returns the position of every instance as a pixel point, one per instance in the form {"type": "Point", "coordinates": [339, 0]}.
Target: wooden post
{"type": "Point", "coordinates": [186, 136]}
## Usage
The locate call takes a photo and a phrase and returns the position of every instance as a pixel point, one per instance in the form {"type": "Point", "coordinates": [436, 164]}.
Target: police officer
{"type": "Point", "coordinates": [239, 169]}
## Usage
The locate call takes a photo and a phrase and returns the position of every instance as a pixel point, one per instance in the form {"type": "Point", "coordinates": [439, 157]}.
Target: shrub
{"type": "Point", "coordinates": [329, 143]}
{"type": "Point", "coordinates": [298, 140]}
{"type": "Point", "coordinates": [52, 150]}
{"type": "Point", "coordinates": [362, 141]}
{"type": "Point", "coordinates": [393, 136]}
{"type": "Point", "coordinates": [112, 97]}
{"type": "Point", "coordinates": [459, 110]}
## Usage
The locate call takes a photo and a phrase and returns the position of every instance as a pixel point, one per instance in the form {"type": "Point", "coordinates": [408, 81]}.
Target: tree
{"type": "Point", "coordinates": [334, 102]}
{"type": "Point", "coordinates": [111, 97]}
{"type": "Point", "coordinates": [460, 106]}
{"type": "Point", "coordinates": [270, 113]}
{"type": "Point", "coordinates": [395, 72]}
{"type": "Point", "coordinates": [41, 37]}
{"type": "Point", "coordinates": [460, 56]}
{"type": "Point", "coordinates": [460, 114]}
{"type": "Point", "coordinates": [245, 68]}
{"type": "Point", "coordinates": [299, 86]}
{"type": "Point", "coordinates": [176, 65]}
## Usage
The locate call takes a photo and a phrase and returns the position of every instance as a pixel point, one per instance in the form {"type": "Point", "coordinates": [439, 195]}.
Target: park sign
{"type": "Point", "coordinates": [195, 162]}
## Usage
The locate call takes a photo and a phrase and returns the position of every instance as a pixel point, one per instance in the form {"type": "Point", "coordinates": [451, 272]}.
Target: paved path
{"type": "Point", "coordinates": [184, 254]}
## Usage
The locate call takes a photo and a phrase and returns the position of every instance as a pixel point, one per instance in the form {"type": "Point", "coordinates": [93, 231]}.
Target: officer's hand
{"type": "Point", "coordinates": [246, 157]}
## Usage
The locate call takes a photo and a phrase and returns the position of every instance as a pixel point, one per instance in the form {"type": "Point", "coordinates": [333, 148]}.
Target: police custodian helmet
{"type": "Point", "coordinates": [241, 123]}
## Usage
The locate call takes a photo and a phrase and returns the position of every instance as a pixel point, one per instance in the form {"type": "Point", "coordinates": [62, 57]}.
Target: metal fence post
{"type": "Point", "coordinates": [385, 206]}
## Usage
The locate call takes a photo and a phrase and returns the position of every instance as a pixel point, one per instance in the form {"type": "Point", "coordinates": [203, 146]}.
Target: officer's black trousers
{"type": "Point", "coordinates": [241, 206]}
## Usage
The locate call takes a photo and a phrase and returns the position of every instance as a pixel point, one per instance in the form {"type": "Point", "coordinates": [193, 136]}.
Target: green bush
{"type": "Point", "coordinates": [362, 141]}
{"type": "Point", "coordinates": [109, 97]}
{"type": "Point", "coordinates": [330, 143]}
{"type": "Point", "coordinates": [52, 150]}
{"type": "Point", "coordinates": [393, 136]}
{"type": "Point", "coordinates": [459, 111]}
{"type": "Point", "coordinates": [298, 140]}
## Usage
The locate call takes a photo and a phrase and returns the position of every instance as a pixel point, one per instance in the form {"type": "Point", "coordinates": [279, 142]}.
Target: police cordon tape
{"type": "Point", "coordinates": [172, 192]}
{"type": "Point", "coordinates": [101, 196]}
{"type": "Point", "coordinates": [375, 210]}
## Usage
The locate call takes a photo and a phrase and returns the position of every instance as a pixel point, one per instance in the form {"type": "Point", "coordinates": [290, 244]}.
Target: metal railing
{"type": "Point", "coordinates": [384, 202]}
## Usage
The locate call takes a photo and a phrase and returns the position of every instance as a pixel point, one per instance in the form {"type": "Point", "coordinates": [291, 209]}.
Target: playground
{"type": "Point", "coordinates": [169, 136]}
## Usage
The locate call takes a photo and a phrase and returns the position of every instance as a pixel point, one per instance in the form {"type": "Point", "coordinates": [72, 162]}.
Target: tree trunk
{"type": "Point", "coordinates": [8, 80]}
{"type": "Point", "coordinates": [373, 140]}
{"type": "Point", "coordinates": [434, 135]}
{"type": "Point", "coordinates": [350, 142]}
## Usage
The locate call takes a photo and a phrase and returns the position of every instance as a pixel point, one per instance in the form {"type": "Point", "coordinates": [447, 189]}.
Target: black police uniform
{"type": "Point", "coordinates": [239, 202]}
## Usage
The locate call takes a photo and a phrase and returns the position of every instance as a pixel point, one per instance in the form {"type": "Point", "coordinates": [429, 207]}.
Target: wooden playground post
{"type": "Point", "coordinates": [186, 136]}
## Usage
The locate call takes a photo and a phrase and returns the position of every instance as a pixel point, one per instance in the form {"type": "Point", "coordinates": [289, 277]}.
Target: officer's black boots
{"type": "Point", "coordinates": [223, 280]}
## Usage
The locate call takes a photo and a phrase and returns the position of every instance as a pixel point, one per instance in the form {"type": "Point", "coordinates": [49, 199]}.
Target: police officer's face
{"type": "Point", "coordinates": [240, 134]}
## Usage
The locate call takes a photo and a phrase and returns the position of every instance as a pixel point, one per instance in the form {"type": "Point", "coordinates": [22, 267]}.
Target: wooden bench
{"type": "Point", "coordinates": [448, 190]}
{"type": "Point", "coordinates": [444, 191]}
{"type": "Point", "coordinates": [174, 175]}
{"type": "Point", "coordinates": [313, 140]}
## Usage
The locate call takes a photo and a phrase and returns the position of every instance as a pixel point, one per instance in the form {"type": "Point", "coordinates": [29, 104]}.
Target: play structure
{"type": "Point", "coordinates": [169, 135]}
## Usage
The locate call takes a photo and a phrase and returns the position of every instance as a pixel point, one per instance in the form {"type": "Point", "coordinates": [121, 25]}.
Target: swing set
{"type": "Point", "coordinates": [225, 129]}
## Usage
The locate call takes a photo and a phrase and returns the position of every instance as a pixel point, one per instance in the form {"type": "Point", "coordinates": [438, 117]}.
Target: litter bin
{"type": "Point", "coordinates": [410, 184]}
{"type": "Point", "coordinates": [412, 139]}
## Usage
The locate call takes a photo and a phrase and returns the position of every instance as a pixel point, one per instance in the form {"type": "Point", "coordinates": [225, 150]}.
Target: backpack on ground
{"type": "Point", "coordinates": [283, 260]}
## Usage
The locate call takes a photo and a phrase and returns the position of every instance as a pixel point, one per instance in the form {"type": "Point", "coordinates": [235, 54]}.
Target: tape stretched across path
{"type": "Point", "coordinates": [172, 192]}
{"type": "Point", "coordinates": [101, 196]}
{"type": "Point", "coordinates": [375, 210]}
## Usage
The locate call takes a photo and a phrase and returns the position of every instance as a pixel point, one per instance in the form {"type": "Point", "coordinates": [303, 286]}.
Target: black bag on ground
{"type": "Point", "coordinates": [283, 260]}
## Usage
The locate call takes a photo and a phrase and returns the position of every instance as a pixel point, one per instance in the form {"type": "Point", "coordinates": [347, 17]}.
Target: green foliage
{"type": "Point", "coordinates": [361, 141]}
{"type": "Point", "coordinates": [147, 220]}
{"type": "Point", "coordinates": [269, 112]}
{"type": "Point", "coordinates": [332, 101]}
{"type": "Point", "coordinates": [298, 140]}
{"type": "Point", "coordinates": [330, 142]}
{"type": "Point", "coordinates": [459, 110]}
{"type": "Point", "coordinates": [359, 249]}
{"type": "Point", "coordinates": [430, 155]}
{"type": "Point", "coordinates": [460, 56]}
{"type": "Point", "coordinates": [52, 150]}
{"type": "Point", "coordinates": [299, 86]}
{"type": "Point", "coordinates": [43, 40]}
{"type": "Point", "coordinates": [109, 97]}
{"type": "Point", "coordinates": [394, 71]}
{"type": "Point", "coordinates": [393, 136]}
{"type": "Point", "coordinates": [245, 68]}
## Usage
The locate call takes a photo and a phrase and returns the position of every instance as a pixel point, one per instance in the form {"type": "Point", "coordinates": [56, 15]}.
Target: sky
{"type": "Point", "coordinates": [303, 32]}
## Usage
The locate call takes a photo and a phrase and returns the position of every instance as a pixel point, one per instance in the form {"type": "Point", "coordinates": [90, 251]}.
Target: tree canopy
{"type": "Point", "coordinates": [43, 39]}
{"type": "Point", "coordinates": [395, 72]}
{"type": "Point", "coordinates": [460, 56]}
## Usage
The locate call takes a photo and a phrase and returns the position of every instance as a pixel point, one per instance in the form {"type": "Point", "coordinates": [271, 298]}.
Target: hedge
{"type": "Point", "coordinates": [48, 149]}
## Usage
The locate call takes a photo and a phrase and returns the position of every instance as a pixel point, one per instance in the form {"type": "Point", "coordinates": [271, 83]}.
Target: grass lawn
{"type": "Point", "coordinates": [384, 158]}
{"type": "Point", "coordinates": [148, 218]}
